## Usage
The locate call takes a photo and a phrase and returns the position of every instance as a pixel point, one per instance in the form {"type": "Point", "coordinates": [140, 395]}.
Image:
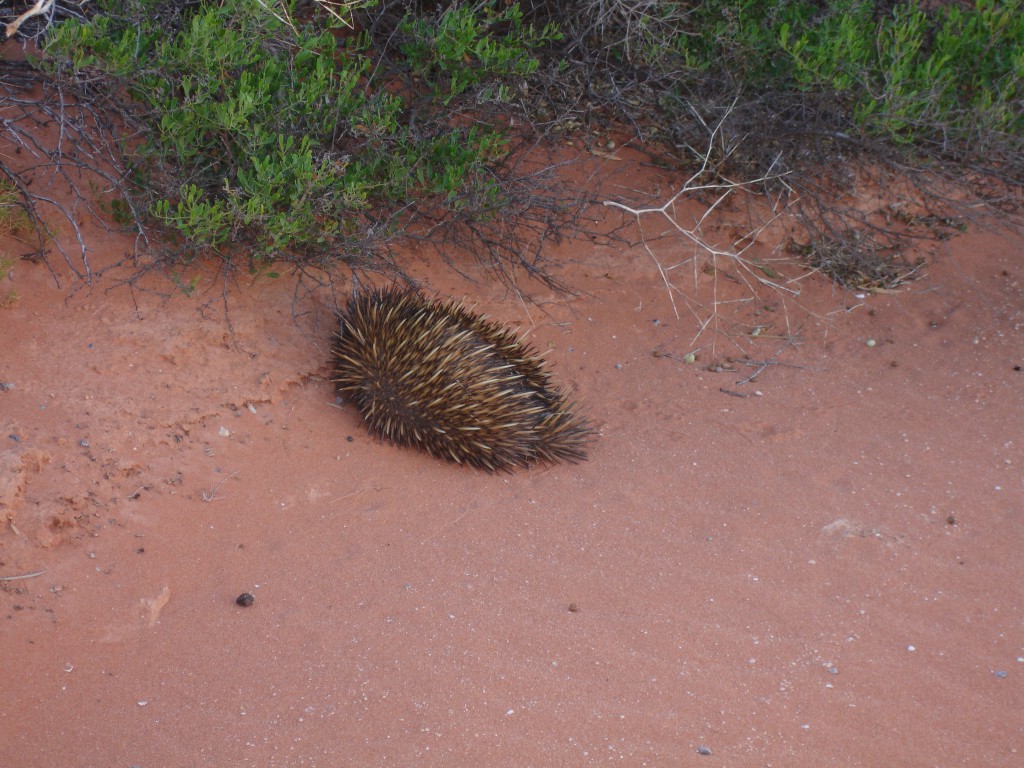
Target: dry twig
{"type": "Point", "coordinates": [751, 273]}
{"type": "Point", "coordinates": [41, 7]}
{"type": "Point", "coordinates": [23, 576]}
{"type": "Point", "coordinates": [211, 494]}
{"type": "Point", "coordinates": [763, 364]}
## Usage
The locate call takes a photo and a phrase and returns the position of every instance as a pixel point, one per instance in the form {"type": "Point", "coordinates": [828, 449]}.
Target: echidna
{"type": "Point", "coordinates": [434, 375]}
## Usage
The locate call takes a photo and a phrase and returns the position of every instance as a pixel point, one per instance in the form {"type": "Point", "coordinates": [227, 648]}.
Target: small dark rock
{"type": "Point", "coordinates": [702, 750]}
{"type": "Point", "coordinates": [245, 599]}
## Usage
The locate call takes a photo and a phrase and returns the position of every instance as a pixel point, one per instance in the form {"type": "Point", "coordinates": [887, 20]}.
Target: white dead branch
{"type": "Point", "coordinates": [722, 188]}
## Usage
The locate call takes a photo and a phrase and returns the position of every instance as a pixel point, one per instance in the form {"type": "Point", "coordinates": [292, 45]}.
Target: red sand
{"type": "Point", "coordinates": [822, 568]}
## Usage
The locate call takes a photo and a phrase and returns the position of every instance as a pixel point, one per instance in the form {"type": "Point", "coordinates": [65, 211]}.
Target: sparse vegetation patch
{"type": "Point", "coordinates": [320, 134]}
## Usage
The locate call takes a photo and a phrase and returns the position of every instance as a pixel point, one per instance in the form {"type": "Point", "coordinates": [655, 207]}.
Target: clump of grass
{"type": "Point", "coordinates": [9, 298]}
{"type": "Point", "coordinates": [14, 219]}
{"type": "Point", "coordinates": [14, 222]}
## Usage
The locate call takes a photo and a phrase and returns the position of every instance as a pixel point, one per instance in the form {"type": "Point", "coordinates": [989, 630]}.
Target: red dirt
{"type": "Point", "coordinates": [818, 568]}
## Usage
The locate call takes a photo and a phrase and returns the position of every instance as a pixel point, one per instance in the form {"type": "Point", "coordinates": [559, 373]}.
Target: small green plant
{"type": "Point", "coordinates": [239, 115]}
{"type": "Point", "coordinates": [275, 140]}
{"type": "Point", "coordinates": [470, 45]}
{"type": "Point", "coordinates": [187, 287]}
{"type": "Point", "coordinates": [14, 219]}
{"type": "Point", "coordinates": [916, 74]}
{"type": "Point", "coordinates": [10, 298]}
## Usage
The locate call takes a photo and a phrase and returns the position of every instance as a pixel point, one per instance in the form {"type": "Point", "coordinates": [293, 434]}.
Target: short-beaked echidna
{"type": "Point", "coordinates": [434, 375]}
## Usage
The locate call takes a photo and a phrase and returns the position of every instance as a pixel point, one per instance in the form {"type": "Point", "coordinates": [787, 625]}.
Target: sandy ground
{"type": "Point", "coordinates": [819, 567]}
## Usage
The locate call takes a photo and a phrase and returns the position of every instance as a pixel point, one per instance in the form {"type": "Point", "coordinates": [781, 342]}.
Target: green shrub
{"type": "Point", "coordinates": [914, 73]}
{"type": "Point", "coordinates": [468, 46]}
{"type": "Point", "coordinates": [280, 139]}
{"type": "Point", "coordinates": [909, 72]}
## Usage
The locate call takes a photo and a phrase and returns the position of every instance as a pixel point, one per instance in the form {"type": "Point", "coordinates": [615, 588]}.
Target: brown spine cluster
{"type": "Point", "coordinates": [436, 376]}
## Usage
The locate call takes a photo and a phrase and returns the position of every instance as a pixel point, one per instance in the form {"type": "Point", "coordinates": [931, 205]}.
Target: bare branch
{"type": "Point", "coordinates": [41, 7]}
{"type": "Point", "coordinates": [750, 273]}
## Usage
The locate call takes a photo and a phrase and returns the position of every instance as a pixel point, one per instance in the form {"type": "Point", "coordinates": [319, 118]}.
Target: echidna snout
{"type": "Point", "coordinates": [436, 376]}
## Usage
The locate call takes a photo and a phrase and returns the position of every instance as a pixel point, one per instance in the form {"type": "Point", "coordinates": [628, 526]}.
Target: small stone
{"type": "Point", "coordinates": [702, 750]}
{"type": "Point", "coordinates": [245, 599]}
{"type": "Point", "coordinates": [871, 342]}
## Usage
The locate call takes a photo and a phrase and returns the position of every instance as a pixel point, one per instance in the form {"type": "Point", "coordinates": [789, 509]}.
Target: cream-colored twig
{"type": "Point", "coordinates": [750, 272]}
{"type": "Point", "coordinates": [41, 6]}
